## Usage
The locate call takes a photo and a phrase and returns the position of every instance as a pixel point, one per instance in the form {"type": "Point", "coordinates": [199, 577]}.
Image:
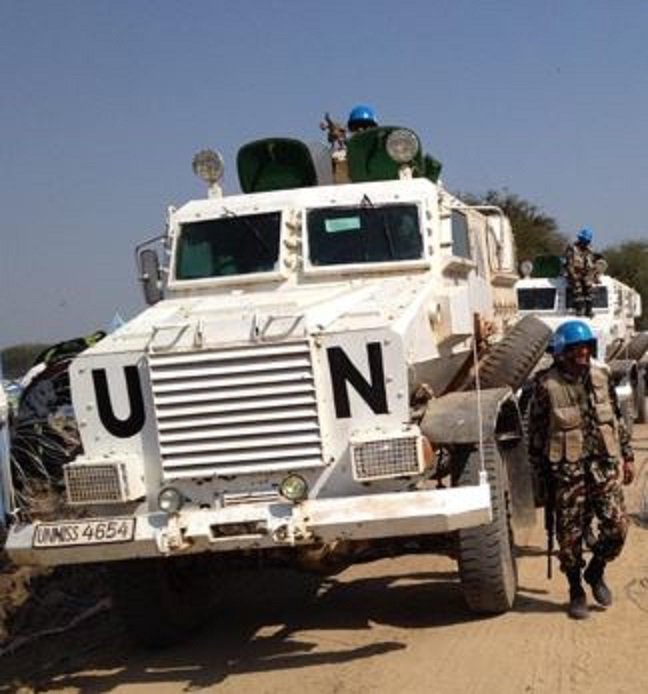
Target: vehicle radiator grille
{"type": "Point", "coordinates": [393, 457]}
{"type": "Point", "coordinates": [93, 483]}
{"type": "Point", "coordinates": [236, 410]}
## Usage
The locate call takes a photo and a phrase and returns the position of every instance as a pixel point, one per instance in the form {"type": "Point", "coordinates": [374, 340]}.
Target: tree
{"type": "Point", "coordinates": [17, 360]}
{"type": "Point", "coordinates": [535, 232]}
{"type": "Point", "coordinates": [628, 262]}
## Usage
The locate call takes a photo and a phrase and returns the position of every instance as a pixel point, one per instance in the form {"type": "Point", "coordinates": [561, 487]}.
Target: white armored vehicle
{"type": "Point", "coordinates": [543, 291]}
{"type": "Point", "coordinates": [303, 388]}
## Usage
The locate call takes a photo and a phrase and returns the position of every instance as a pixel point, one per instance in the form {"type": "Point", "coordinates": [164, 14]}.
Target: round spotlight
{"type": "Point", "coordinates": [526, 268]}
{"type": "Point", "coordinates": [402, 146]}
{"type": "Point", "coordinates": [170, 500]}
{"type": "Point", "coordinates": [294, 488]}
{"type": "Point", "coordinates": [209, 166]}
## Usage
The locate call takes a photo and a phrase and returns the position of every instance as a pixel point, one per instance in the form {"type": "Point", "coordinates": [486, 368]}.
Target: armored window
{"type": "Point", "coordinates": [460, 235]}
{"type": "Point", "coordinates": [232, 245]}
{"type": "Point", "coordinates": [599, 297]}
{"type": "Point", "coordinates": [366, 234]}
{"type": "Point", "coordinates": [536, 299]}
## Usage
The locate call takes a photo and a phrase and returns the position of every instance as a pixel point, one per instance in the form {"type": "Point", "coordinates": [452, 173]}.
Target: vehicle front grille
{"type": "Point", "coordinates": [236, 410]}
{"type": "Point", "coordinates": [394, 457]}
{"type": "Point", "coordinates": [92, 484]}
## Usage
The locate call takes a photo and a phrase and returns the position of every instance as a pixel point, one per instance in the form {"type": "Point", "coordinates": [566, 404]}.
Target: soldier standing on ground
{"type": "Point", "coordinates": [579, 444]}
{"type": "Point", "coordinates": [580, 266]}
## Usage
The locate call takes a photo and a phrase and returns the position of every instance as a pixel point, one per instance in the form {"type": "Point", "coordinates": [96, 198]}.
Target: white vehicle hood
{"type": "Point", "coordinates": [241, 316]}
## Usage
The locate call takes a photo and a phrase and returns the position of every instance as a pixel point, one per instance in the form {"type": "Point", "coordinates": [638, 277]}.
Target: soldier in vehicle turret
{"type": "Point", "coordinates": [360, 118]}
{"type": "Point", "coordinates": [578, 443]}
{"type": "Point", "coordinates": [580, 268]}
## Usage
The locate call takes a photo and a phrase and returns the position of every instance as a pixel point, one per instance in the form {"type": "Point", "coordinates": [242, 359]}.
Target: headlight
{"type": "Point", "coordinates": [170, 500]}
{"type": "Point", "coordinates": [402, 146]}
{"type": "Point", "coordinates": [294, 488]}
{"type": "Point", "coordinates": [209, 166]}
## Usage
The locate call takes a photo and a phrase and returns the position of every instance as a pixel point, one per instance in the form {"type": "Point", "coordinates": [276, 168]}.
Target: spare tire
{"type": "Point", "coordinates": [510, 361]}
{"type": "Point", "coordinates": [637, 347]}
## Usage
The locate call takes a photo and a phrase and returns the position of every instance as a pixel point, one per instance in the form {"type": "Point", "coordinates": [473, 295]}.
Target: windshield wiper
{"type": "Point", "coordinates": [366, 202]}
{"type": "Point", "coordinates": [252, 229]}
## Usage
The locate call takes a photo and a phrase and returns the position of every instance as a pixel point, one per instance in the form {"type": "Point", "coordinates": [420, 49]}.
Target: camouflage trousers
{"type": "Point", "coordinates": [586, 490]}
{"type": "Point", "coordinates": [581, 286]}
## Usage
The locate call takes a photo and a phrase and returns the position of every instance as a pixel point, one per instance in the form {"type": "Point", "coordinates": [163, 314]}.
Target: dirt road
{"type": "Point", "coordinates": [393, 626]}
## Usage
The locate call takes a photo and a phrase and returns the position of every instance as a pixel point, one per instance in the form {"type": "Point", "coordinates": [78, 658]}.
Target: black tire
{"type": "Point", "coordinates": [510, 361]}
{"type": "Point", "coordinates": [637, 347]}
{"type": "Point", "coordinates": [640, 397]}
{"type": "Point", "coordinates": [486, 557]}
{"type": "Point", "coordinates": [162, 601]}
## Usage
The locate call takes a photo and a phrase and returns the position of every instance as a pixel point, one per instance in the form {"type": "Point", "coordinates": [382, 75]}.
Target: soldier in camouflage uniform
{"type": "Point", "coordinates": [580, 267]}
{"type": "Point", "coordinates": [579, 444]}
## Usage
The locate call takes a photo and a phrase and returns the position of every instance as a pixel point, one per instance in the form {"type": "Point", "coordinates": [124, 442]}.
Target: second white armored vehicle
{"type": "Point", "coordinates": [304, 388]}
{"type": "Point", "coordinates": [544, 292]}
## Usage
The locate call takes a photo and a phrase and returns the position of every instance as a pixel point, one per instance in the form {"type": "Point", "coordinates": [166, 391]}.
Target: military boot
{"type": "Point", "coordinates": [577, 599]}
{"type": "Point", "coordinates": [594, 576]}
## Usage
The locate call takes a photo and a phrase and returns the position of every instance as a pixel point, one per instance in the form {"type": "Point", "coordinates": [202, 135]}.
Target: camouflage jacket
{"type": "Point", "coordinates": [540, 416]}
{"type": "Point", "coordinates": [580, 262]}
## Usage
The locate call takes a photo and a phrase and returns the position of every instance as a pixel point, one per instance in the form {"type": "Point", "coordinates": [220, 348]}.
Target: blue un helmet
{"type": "Point", "coordinates": [585, 236]}
{"type": "Point", "coordinates": [361, 117]}
{"type": "Point", "coordinates": [570, 333]}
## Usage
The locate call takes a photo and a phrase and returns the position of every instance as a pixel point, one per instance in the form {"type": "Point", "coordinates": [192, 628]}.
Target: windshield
{"type": "Point", "coordinates": [538, 299]}
{"type": "Point", "coordinates": [231, 245]}
{"type": "Point", "coordinates": [364, 234]}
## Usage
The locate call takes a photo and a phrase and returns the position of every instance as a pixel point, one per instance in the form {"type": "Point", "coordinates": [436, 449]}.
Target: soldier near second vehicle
{"type": "Point", "coordinates": [582, 274]}
{"type": "Point", "coordinates": [577, 443]}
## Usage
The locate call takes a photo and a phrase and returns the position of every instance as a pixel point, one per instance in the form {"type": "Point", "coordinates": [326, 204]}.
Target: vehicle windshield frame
{"type": "Point", "coordinates": [362, 206]}
{"type": "Point", "coordinates": [251, 276]}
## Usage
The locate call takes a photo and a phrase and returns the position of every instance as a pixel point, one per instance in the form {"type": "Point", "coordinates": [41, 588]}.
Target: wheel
{"type": "Point", "coordinates": [162, 601]}
{"type": "Point", "coordinates": [486, 557]}
{"type": "Point", "coordinates": [637, 347]}
{"type": "Point", "coordinates": [640, 397]}
{"type": "Point", "coordinates": [510, 361]}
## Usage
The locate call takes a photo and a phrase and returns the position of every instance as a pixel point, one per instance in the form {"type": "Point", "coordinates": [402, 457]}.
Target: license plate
{"type": "Point", "coordinates": [90, 532]}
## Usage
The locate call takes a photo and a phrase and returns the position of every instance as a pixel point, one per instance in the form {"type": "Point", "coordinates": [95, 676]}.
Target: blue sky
{"type": "Point", "coordinates": [104, 104]}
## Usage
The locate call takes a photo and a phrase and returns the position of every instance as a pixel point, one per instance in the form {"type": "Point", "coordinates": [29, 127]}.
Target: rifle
{"type": "Point", "coordinates": [550, 518]}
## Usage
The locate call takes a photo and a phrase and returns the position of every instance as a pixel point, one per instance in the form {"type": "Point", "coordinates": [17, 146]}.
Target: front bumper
{"type": "Point", "coordinates": [267, 526]}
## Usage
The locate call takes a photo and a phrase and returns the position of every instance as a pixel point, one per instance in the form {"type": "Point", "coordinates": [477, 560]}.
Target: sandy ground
{"type": "Point", "coordinates": [393, 626]}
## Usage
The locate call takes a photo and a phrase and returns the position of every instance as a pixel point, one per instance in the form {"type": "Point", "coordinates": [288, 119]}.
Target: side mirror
{"type": "Point", "coordinates": [150, 276]}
